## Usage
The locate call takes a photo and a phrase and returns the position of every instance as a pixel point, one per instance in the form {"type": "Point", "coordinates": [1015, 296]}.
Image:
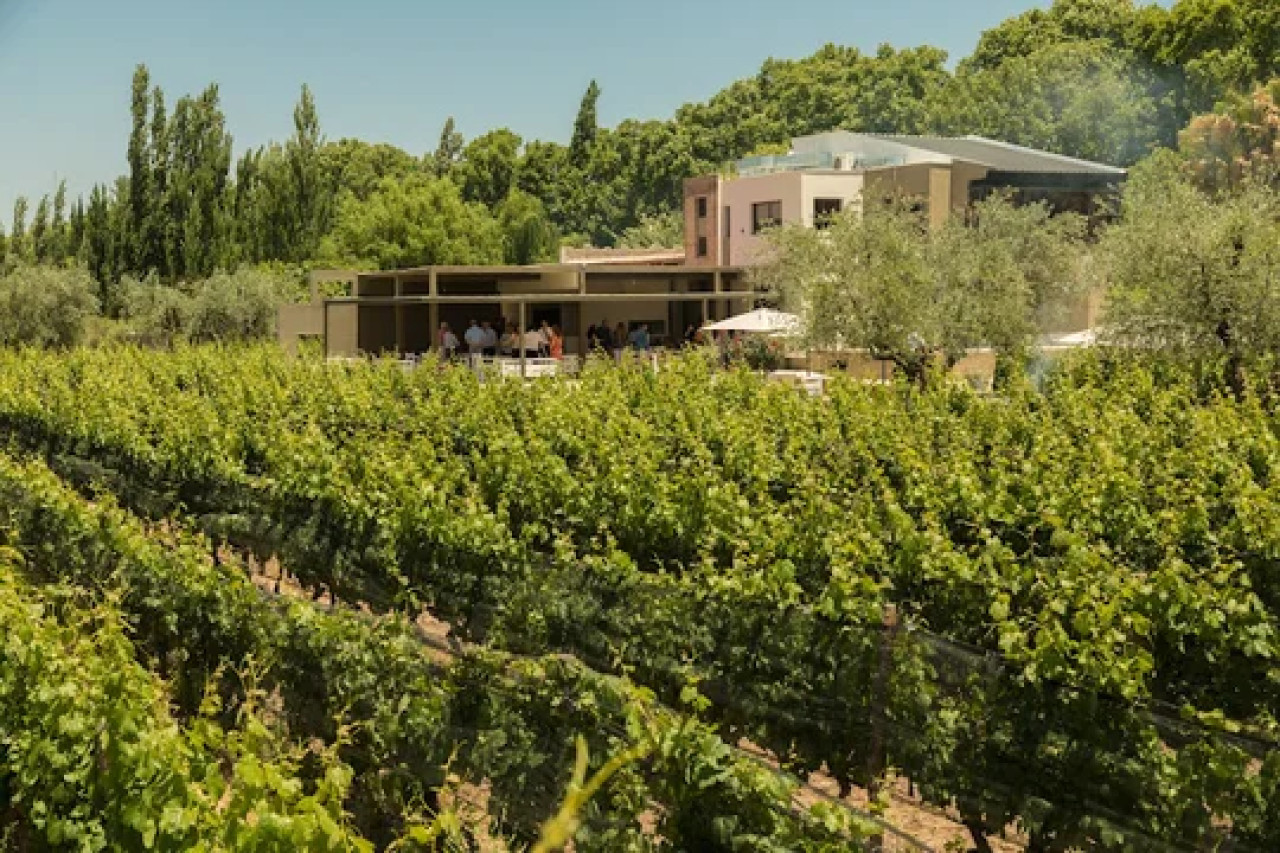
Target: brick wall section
{"type": "Point", "coordinates": [707, 187]}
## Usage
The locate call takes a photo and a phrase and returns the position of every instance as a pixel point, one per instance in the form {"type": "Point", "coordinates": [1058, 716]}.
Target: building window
{"type": "Point", "coordinates": [702, 247]}
{"type": "Point", "coordinates": [702, 207]}
{"type": "Point", "coordinates": [824, 210]}
{"type": "Point", "coordinates": [765, 214]}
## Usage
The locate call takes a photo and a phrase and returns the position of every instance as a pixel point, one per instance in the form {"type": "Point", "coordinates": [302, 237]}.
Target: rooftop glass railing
{"type": "Point", "coordinates": [769, 164]}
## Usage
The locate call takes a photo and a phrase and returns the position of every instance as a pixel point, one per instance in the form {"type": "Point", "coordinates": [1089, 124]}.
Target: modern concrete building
{"type": "Point", "coordinates": [399, 311]}
{"type": "Point", "coordinates": [830, 172]}
{"type": "Point", "coordinates": [669, 289]}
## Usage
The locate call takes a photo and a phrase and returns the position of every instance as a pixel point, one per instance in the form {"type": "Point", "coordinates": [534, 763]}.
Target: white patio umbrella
{"type": "Point", "coordinates": [760, 320]}
{"type": "Point", "coordinates": [1086, 338]}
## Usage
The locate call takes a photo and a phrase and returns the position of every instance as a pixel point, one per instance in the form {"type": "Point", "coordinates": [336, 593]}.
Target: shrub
{"type": "Point", "coordinates": [46, 306]}
{"type": "Point", "coordinates": [155, 314]}
{"type": "Point", "coordinates": [236, 306]}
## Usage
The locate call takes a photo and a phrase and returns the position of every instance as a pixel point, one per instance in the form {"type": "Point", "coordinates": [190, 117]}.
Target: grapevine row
{"type": "Point", "coordinates": [1099, 538]}
{"type": "Point", "coordinates": [400, 717]}
{"type": "Point", "coordinates": [91, 757]}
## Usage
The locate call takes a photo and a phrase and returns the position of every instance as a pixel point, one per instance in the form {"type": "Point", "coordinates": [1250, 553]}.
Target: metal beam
{"type": "Point", "coordinates": [481, 299]}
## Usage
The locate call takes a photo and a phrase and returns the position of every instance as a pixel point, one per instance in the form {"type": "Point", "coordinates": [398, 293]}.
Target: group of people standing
{"type": "Point", "coordinates": [602, 338]}
{"type": "Point", "coordinates": [481, 340]}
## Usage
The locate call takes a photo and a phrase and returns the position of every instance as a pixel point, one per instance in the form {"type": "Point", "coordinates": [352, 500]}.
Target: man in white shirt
{"type": "Point", "coordinates": [474, 338]}
{"type": "Point", "coordinates": [531, 342]}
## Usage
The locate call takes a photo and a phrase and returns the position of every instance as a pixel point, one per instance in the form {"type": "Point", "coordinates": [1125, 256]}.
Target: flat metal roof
{"type": "Point", "coordinates": [542, 269]}
{"type": "Point", "coordinates": [1002, 156]}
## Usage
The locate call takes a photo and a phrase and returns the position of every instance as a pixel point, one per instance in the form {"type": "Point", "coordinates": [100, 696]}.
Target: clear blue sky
{"type": "Point", "coordinates": [393, 70]}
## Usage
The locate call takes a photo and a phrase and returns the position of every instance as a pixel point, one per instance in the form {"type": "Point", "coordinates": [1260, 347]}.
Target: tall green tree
{"type": "Point", "coordinates": [40, 232]}
{"type": "Point", "coordinates": [359, 167]}
{"type": "Point", "coordinates": [159, 235]}
{"type": "Point", "coordinates": [413, 222]}
{"type": "Point", "coordinates": [58, 237]}
{"type": "Point", "coordinates": [201, 152]}
{"type": "Point", "coordinates": [1115, 22]}
{"type": "Point", "coordinates": [544, 173]}
{"type": "Point", "coordinates": [310, 185]}
{"type": "Point", "coordinates": [585, 127]}
{"type": "Point", "coordinates": [18, 242]}
{"type": "Point", "coordinates": [96, 244]}
{"type": "Point", "coordinates": [448, 150]}
{"type": "Point", "coordinates": [487, 170]}
{"type": "Point", "coordinates": [1081, 99]}
{"type": "Point", "coordinates": [140, 165]}
{"type": "Point", "coordinates": [529, 237]}
{"type": "Point", "coordinates": [75, 230]}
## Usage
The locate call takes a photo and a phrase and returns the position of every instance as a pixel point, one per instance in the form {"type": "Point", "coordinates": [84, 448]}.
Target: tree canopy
{"type": "Point", "coordinates": [882, 280]}
{"type": "Point", "coordinates": [417, 221]}
{"type": "Point", "coordinates": [1191, 272]}
{"type": "Point", "coordinates": [1109, 80]}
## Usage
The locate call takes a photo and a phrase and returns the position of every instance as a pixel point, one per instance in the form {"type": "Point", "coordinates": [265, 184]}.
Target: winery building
{"type": "Point", "coordinates": [398, 311]}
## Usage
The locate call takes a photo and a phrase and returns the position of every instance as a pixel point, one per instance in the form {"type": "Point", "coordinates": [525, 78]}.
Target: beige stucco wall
{"type": "Point", "coordinates": [813, 185]}
{"type": "Point", "coordinates": [343, 330]}
{"type": "Point", "coordinates": [737, 197]}
{"type": "Point", "coordinates": [296, 321]}
{"type": "Point", "coordinates": [962, 176]}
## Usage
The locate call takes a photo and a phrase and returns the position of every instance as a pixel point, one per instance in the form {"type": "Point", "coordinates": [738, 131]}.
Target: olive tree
{"type": "Point", "coordinates": [1192, 273]}
{"type": "Point", "coordinates": [1008, 272]}
{"type": "Point", "coordinates": [239, 306]}
{"type": "Point", "coordinates": [154, 314]}
{"type": "Point", "coordinates": [46, 306]}
{"type": "Point", "coordinates": [882, 280]}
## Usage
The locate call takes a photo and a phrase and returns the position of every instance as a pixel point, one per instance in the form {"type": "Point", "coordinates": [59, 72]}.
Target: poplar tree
{"type": "Point", "coordinates": [584, 128]}
{"type": "Point", "coordinates": [310, 194]}
{"type": "Point", "coordinates": [18, 239]}
{"type": "Point", "coordinates": [448, 150]}
{"type": "Point", "coordinates": [159, 231]}
{"type": "Point", "coordinates": [40, 232]}
{"type": "Point", "coordinates": [75, 235]}
{"type": "Point", "coordinates": [95, 247]}
{"type": "Point", "coordinates": [58, 226]}
{"type": "Point", "coordinates": [139, 239]}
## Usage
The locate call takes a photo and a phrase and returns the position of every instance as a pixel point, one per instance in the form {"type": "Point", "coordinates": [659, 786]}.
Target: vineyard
{"type": "Point", "coordinates": [1051, 610]}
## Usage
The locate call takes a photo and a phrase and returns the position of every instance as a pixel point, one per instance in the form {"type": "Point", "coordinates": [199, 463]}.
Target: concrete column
{"type": "Point", "coordinates": [433, 307]}
{"type": "Point", "coordinates": [398, 291]}
{"type": "Point", "coordinates": [520, 338]}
